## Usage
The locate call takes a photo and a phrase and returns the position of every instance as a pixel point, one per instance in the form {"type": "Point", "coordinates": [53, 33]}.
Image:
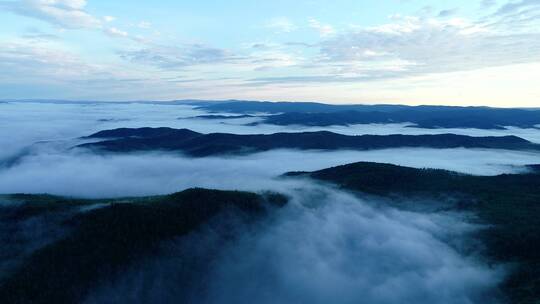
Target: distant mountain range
{"type": "Point", "coordinates": [198, 144]}
{"type": "Point", "coordinates": [320, 114]}
{"type": "Point", "coordinates": [224, 116]}
{"type": "Point", "coordinates": [242, 106]}
{"type": "Point", "coordinates": [317, 114]}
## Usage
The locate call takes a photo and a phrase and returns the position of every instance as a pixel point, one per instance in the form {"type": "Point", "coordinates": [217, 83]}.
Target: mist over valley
{"type": "Point", "coordinates": [114, 207]}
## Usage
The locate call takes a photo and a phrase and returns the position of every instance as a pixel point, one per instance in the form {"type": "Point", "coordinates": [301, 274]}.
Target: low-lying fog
{"type": "Point", "coordinates": [23, 123]}
{"type": "Point", "coordinates": [326, 246]}
{"type": "Point", "coordinates": [80, 173]}
{"type": "Point", "coordinates": [50, 167]}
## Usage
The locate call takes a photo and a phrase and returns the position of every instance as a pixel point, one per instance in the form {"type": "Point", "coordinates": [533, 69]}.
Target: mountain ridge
{"type": "Point", "coordinates": [200, 145]}
{"type": "Point", "coordinates": [423, 116]}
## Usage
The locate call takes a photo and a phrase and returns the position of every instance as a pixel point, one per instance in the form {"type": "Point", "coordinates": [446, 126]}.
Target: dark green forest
{"type": "Point", "coordinates": [117, 234]}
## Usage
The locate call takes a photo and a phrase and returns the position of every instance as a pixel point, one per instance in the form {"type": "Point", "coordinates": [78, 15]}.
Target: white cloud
{"type": "Point", "coordinates": [519, 6]}
{"type": "Point", "coordinates": [448, 12]}
{"type": "Point", "coordinates": [168, 57]}
{"type": "Point", "coordinates": [488, 3]}
{"type": "Point", "coordinates": [323, 29]}
{"type": "Point", "coordinates": [335, 244]}
{"type": "Point", "coordinates": [404, 47]}
{"type": "Point", "coordinates": [73, 4]}
{"type": "Point", "coordinates": [40, 61]}
{"type": "Point", "coordinates": [144, 25]}
{"type": "Point", "coordinates": [64, 13]}
{"type": "Point", "coordinates": [114, 32]}
{"type": "Point", "coordinates": [109, 18]}
{"type": "Point", "coordinates": [281, 24]}
{"type": "Point", "coordinates": [51, 68]}
{"type": "Point", "coordinates": [417, 46]}
{"type": "Point", "coordinates": [516, 17]}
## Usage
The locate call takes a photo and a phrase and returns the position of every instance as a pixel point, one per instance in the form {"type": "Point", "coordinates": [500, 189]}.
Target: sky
{"type": "Point", "coordinates": [341, 51]}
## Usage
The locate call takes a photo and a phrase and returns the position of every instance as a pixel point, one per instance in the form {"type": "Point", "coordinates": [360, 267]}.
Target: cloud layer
{"type": "Point", "coordinates": [353, 60]}
{"type": "Point", "coordinates": [38, 158]}
{"type": "Point", "coordinates": [326, 246]}
{"type": "Point", "coordinates": [64, 13]}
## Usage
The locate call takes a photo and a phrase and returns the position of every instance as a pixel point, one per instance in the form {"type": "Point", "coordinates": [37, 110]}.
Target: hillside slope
{"type": "Point", "coordinates": [119, 233]}
{"type": "Point", "coordinates": [510, 203]}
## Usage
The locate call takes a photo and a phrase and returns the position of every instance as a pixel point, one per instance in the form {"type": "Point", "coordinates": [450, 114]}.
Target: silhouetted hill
{"type": "Point", "coordinates": [480, 118]}
{"type": "Point", "coordinates": [197, 144]}
{"type": "Point", "coordinates": [109, 239]}
{"type": "Point", "coordinates": [240, 106]}
{"type": "Point", "coordinates": [317, 114]}
{"type": "Point", "coordinates": [483, 119]}
{"type": "Point", "coordinates": [144, 133]}
{"type": "Point", "coordinates": [535, 168]}
{"type": "Point", "coordinates": [510, 203]}
{"type": "Point", "coordinates": [224, 116]}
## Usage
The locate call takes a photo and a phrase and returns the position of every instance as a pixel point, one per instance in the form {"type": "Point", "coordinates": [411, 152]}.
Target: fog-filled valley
{"type": "Point", "coordinates": [143, 219]}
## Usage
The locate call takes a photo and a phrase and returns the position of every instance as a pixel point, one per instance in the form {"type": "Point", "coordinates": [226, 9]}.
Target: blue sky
{"type": "Point", "coordinates": [342, 51]}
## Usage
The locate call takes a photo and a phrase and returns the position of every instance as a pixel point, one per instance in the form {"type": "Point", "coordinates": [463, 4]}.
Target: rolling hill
{"type": "Point", "coordinates": [199, 145]}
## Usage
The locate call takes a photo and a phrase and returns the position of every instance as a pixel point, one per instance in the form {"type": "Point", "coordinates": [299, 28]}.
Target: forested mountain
{"type": "Point", "coordinates": [198, 144]}
{"type": "Point", "coordinates": [116, 234]}
{"type": "Point", "coordinates": [509, 204]}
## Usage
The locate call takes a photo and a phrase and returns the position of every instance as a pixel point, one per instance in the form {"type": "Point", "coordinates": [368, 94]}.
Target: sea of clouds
{"type": "Point", "coordinates": [325, 246]}
{"type": "Point", "coordinates": [37, 157]}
